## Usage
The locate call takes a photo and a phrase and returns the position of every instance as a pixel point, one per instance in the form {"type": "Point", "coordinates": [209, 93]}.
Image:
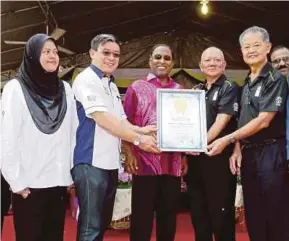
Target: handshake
{"type": "Point", "coordinates": [147, 140]}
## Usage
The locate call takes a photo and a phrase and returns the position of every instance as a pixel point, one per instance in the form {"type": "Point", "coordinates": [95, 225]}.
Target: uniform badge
{"type": "Point", "coordinates": [278, 101]}
{"type": "Point", "coordinates": [91, 98]}
{"type": "Point", "coordinates": [258, 90]}
{"type": "Point", "coordinates": [235, 107]}
{"type": "Point", "coordinates": [215, 96]}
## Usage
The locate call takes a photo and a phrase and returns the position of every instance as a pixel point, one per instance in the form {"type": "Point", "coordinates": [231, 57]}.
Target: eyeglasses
{"type": "Point", "coordinates": [165, 57]}
{"type": "Point", "coordinates": [278, 61]}
{"type": "Point", "coordinates": [48, 51]}
{"type": "Point", "coordinates": [108, 53]}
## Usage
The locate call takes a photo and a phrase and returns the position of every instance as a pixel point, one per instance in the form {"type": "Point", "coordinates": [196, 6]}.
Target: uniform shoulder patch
{"type": "Point", "coordinates": [278, 101]}
{"type": "Point", "coordinates": [236, 106]}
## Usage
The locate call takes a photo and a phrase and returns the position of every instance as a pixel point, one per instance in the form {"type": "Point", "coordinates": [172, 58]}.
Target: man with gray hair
{"type": "Point", "coordinates": [261, 137]}
{"type": "Point", "coordinates": [102, 123]}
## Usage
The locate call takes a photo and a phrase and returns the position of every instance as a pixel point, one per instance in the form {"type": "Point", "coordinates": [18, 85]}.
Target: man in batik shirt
{"type": "Point", "coordinates": [156, 177]}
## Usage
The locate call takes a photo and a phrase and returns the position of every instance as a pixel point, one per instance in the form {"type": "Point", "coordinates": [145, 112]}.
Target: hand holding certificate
{"type": "Point", "coordinates": [181, 120]}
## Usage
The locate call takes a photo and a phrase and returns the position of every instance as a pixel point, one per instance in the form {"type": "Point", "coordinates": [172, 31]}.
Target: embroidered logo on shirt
{"type": "Point", "coordinates": [91, 98]}
{"type": "Point", "coordinates": [235, 107]}
{"type": "Point", "coordinates": [278, 101]}
{"type": "Point", "coordinates": [258, 90]}
{"type": "Point", "coordinates": [215, 96]}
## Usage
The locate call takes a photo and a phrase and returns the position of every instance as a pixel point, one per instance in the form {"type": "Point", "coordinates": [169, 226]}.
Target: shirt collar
{"type": "Point", "coordinates": [219, 81]}
{"type": "Point", "coordinates": [265, 70]}
{"type": "Point", "coordinates": [152, 78]}
{"type": "Point", "coordinates": [263, 74]}
{"type": "Point", "coordinates": [100, 74]}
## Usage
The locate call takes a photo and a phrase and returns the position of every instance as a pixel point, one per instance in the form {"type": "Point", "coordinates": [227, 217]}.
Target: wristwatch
{"type": "Point", "coordinates": [137, 141]}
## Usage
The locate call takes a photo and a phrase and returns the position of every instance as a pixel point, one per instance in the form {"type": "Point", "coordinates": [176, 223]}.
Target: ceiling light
{"type": "Point", "coordinates": [204, 7]}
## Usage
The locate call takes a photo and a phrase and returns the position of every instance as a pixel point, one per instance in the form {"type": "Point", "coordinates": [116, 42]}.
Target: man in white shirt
{"type": "Point", "coordinates": [102, 123]}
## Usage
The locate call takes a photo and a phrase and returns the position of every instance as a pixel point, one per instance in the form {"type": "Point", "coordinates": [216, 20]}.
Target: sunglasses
{"type": "Point", "coordinates": [108, 53]}
{"type": "Point", "coordinates": [278, 61]}
{"type": "Point", "coordinates": [159, 57]}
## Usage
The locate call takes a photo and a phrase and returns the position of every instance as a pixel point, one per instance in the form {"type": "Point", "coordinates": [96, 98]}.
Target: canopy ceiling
{"type": "Point", "coordinates": [139, 25]}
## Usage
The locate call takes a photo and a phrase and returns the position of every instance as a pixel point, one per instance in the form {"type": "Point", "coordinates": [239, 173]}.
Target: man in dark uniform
{"type": "Point", "coordinates": [211, 185]}
{"type": "Point", "coordinates": [262, 136]}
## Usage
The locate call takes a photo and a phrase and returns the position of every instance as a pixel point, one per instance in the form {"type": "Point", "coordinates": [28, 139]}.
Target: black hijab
{"type": "Point", "coordinates": [39, 85]}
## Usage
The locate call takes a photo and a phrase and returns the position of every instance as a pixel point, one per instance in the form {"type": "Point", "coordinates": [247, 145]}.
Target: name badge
{"type": "Point", "coordinates": [258, 90]}
{"type": "Point", "coordinates": [215, 96]}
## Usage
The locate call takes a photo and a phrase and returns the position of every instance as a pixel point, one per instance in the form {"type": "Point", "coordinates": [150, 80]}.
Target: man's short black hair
{"type": "Point", "coordinates": [161, 45]}
{"type": "Point", "coordinates": [101, 39]}
{"type": "Point", "coordinates": [277, 47]}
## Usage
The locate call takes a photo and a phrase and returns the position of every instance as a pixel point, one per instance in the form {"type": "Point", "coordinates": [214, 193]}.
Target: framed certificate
{"type": "Point", "coordinates": [181, 120]}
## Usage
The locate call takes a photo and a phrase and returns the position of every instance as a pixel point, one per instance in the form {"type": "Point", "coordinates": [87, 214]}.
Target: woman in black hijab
{"type": "Point", "coordinates": [38, 76]}
{"type": "Point", "coordinates": [38, 131]}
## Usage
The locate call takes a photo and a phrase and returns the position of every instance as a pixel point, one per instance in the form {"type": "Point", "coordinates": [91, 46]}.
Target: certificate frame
{"type": "Point", "coordinates": [174, 136]}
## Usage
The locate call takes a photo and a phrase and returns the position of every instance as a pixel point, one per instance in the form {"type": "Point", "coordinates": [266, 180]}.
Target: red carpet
{"type": "Point", "coordinates": [184, 231]}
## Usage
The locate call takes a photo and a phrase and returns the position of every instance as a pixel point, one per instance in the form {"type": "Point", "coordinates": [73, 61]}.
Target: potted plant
{"type": "Point", "coordinates": [124, 180]}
